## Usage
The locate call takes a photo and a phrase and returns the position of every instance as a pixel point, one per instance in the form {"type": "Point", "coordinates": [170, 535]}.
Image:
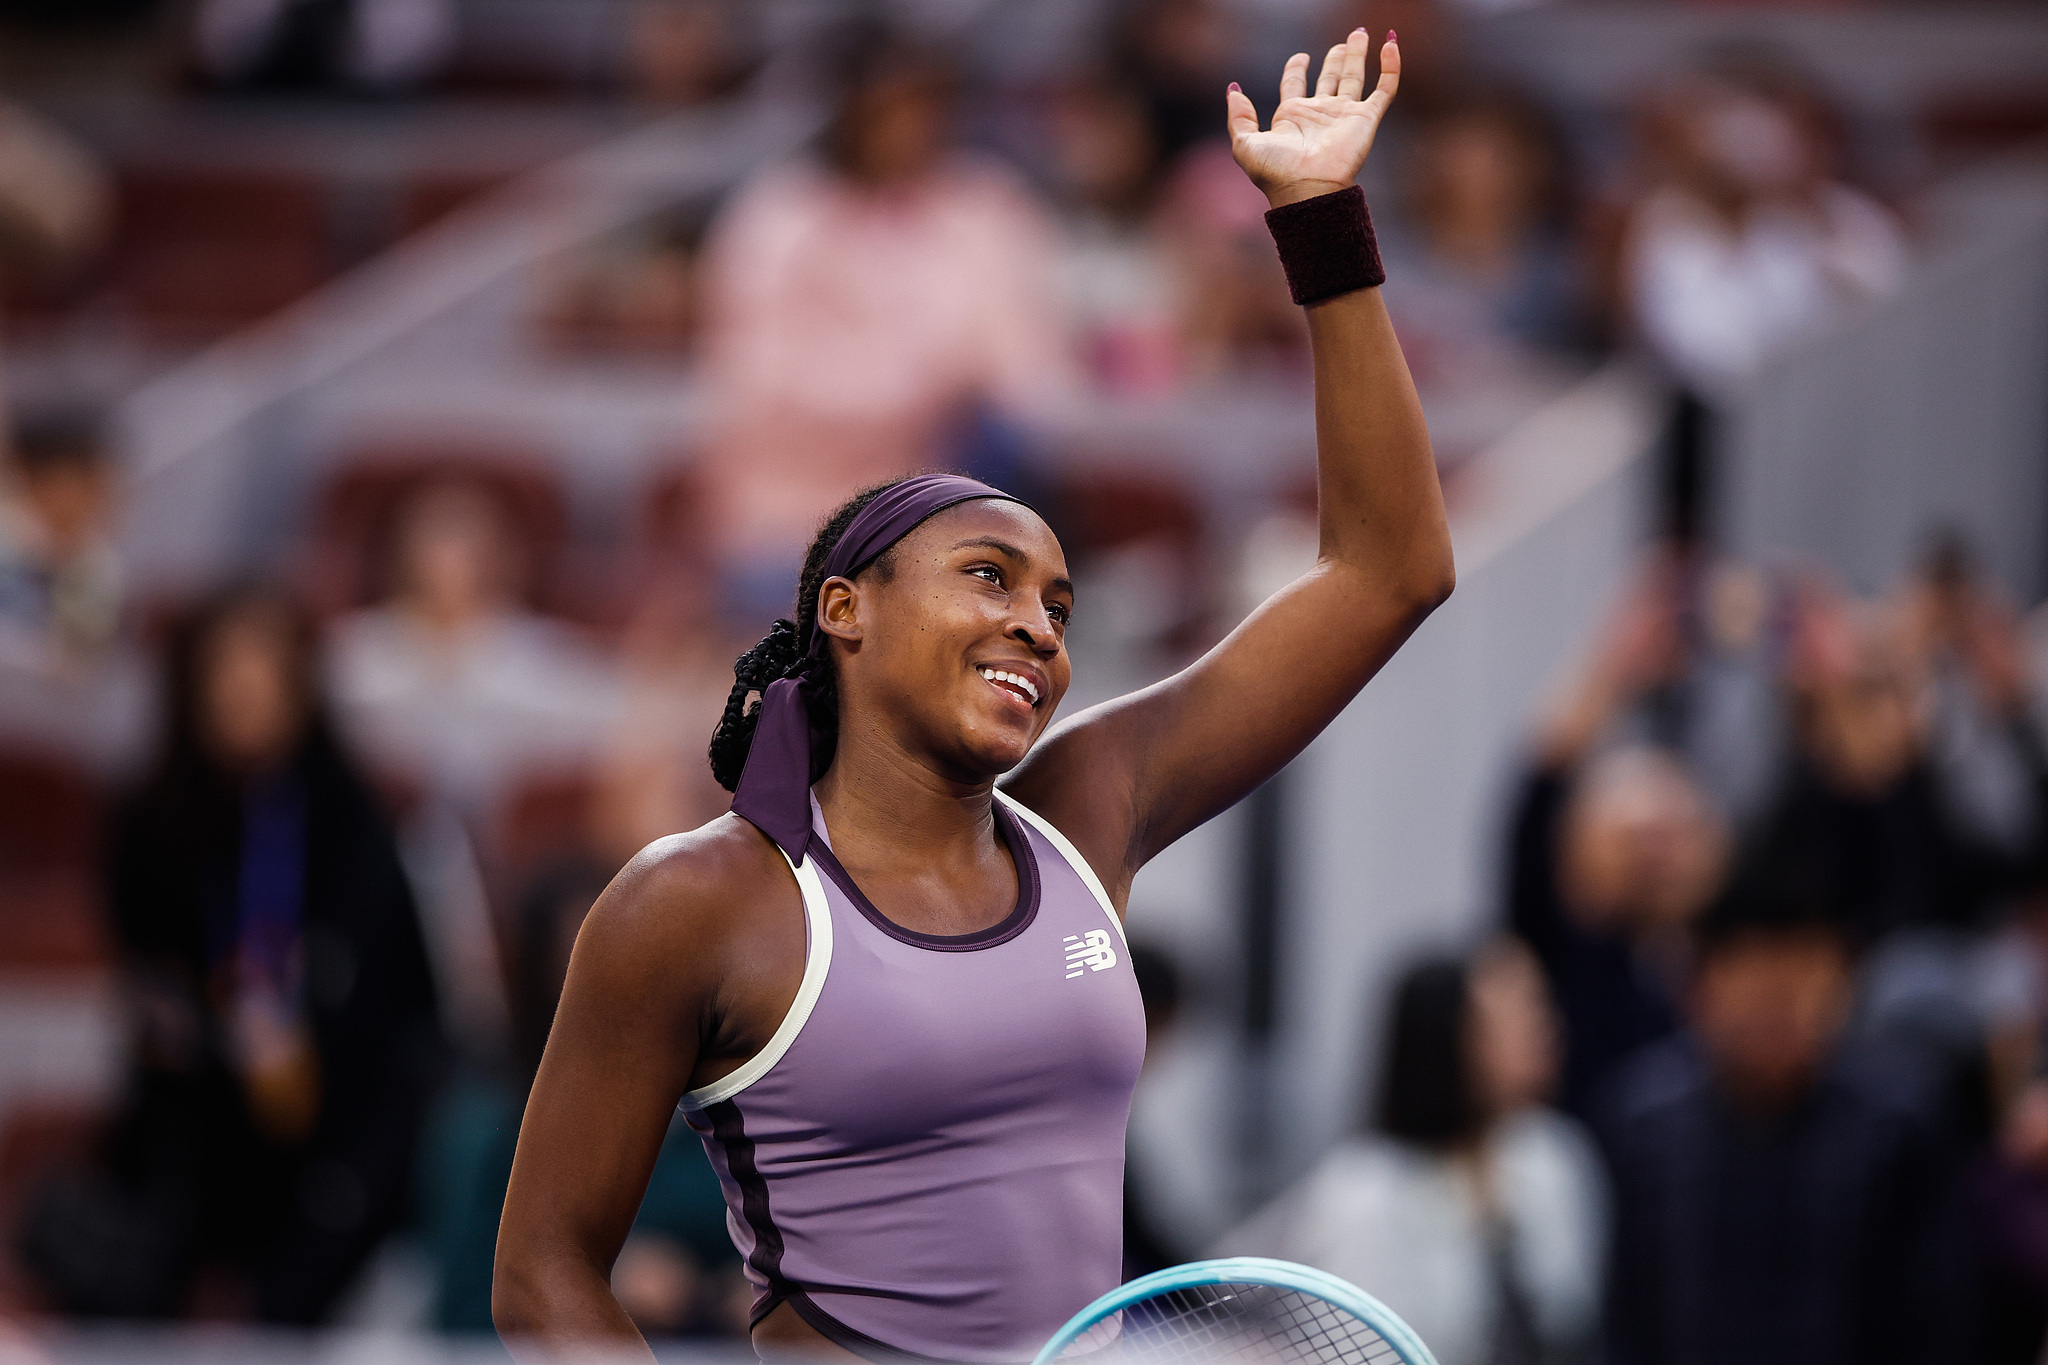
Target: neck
{"type": "Point", "coordinates": [878, 795]}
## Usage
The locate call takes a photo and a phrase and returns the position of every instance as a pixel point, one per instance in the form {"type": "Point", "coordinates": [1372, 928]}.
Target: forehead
{"type": "Point", "coordinates": [1011, 523]}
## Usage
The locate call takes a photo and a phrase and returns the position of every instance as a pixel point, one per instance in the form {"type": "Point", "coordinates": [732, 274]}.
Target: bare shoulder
{"type": "Point", "coordinates": [1076, 779]}
{"type": "Point", "coordinates": [684, 895]}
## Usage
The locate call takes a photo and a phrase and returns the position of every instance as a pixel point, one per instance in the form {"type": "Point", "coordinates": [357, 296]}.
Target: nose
{"type": "Point", "coordinates": [1034, 629]}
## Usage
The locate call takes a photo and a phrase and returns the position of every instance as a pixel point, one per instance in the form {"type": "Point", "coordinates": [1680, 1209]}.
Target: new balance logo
{"type": "Point", "coordinates": [1089, 952]}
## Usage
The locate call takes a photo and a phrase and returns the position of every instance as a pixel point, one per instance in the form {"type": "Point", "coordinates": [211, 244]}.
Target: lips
{"type": "Point", "coordinates": [1016, 684]}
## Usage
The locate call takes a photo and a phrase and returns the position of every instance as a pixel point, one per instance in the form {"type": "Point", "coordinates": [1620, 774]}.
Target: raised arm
{"type": "Point", "coordinates": [1125, 779]}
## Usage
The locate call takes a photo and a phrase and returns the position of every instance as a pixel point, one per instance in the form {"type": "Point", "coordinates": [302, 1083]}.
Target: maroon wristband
{"type": "Point", "coordinates": [1326, 246]}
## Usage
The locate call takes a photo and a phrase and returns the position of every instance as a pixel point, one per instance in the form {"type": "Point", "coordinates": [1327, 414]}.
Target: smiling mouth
{"type": "Point", "coordinates": [1014, 683]}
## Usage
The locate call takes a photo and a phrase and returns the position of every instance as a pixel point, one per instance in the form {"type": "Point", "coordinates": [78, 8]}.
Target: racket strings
{"type": "Point", "coordinates": [1259, 1324]}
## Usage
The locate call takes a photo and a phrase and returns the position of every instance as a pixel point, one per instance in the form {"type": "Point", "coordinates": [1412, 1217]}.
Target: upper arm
{"type": "Point", "coordinates": [1125, 779]}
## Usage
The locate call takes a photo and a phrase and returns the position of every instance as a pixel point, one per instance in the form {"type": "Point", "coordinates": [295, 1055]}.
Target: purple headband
{"type": "Point", "coordinates": [775, 786]}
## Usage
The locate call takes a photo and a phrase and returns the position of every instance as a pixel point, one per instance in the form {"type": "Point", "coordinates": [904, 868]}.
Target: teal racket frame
{"type": "Point", "coordinates": [1248, 1270]}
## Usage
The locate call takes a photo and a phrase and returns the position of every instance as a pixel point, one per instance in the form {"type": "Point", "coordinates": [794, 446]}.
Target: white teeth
{"type": "Point", "coordinates": [997, 675]}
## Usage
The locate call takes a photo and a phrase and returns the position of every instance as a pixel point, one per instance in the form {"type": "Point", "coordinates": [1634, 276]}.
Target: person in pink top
{"type": "Point", "coordinates": [893, 1001]}
{"type": "Point", "coordinates": [857, 301]}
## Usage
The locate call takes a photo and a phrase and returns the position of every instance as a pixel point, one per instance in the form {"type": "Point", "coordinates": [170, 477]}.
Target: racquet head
{"type": "Point", "coordinates": [1244, 1309]}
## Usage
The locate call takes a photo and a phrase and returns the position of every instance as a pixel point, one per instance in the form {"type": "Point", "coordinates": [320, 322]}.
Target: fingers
{"type": "Point", "coordinates": [1239, 117]}
{"type": "Point", "coordinates": [1294, 79]}
{"type": "Point", "coordinates": [1390, 75]}
{"type": "Point", "coordinates": [1333, 70]}
{"type": "Point", "coordinates": [1351, 78]}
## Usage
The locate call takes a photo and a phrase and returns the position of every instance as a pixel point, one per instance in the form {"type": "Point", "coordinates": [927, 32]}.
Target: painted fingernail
{"type": "Point", "coordinates": [1392, 37]}
{"type": "Point", "coordinates": [1233, 88]}
{"type": "Point", "coordinates": [1359, 29]}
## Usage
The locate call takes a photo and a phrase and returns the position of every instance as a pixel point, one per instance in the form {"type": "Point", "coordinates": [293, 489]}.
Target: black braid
{"type": "Point", "coordinates": [783, 648]}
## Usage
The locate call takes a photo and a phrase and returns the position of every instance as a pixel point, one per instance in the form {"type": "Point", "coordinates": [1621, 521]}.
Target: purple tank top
{"type": "Point", "coordinates": [927, 1158]}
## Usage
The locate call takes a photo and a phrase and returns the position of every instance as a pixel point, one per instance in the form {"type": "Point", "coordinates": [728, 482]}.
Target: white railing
{"type": "Point", "coordinates": [1930, 411]}
{"type": "Point", "coordinates": [1393, 842]}
{"type": "Point", "coordinates": [216, 442]}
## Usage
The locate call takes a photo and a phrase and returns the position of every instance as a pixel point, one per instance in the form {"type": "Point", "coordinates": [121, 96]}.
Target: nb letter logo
{"type": "Point", "coordinates": [1089, 952]}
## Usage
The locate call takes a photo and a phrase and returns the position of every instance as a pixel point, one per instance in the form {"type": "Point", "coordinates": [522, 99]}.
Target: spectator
{"type": "Point", "coordinates": [1177, 54]}
{"type": "Point", "coordinates": [1748, 239]}
{"type": "Point", "coordinates": [281, 1009]}
{"type": "Point", "coordinates": [1864, 805]}
{"type": "Point", "coordinates": [1888, 818]}
{"type": "Point", "coordinates": [58, 585]}
{"type": "Point", "coordinates": [55, 197]}
{"type": "Point", "coordinates": [72, 680]}
{"type": "Point", "coordinates": [451, 682]}
{"type": "Point", "coordinates": [1611, 854]}
{"type": "Point", "coordinates": [1780, 1196]}
{"type": "Point", "coordinates": [635, 290]}
{"type": "Point", "coordinates": [2010, 1211]}
{"type": "Point", "coordinates": [859, 302]}
{"type": "Point", "coordinates": [684, 52]}
{"type": "Point", "coordinates": [2009, 1203]}
{"type": "Point", "coordinates": [1234, 309]}
{"type": "Point", "coordinates": [1120, 290]}
{"type": "Point", "coordinates": [652, 774]}
{"type": "Point", "coordinates": [1471, 1209]}
{"type": "Point", "coordinates": [61, 587]}
{"type": "Point", "coordinates": [1436, 51]}
{"type": "Point", "coordinates": [1475, 228]}
{"type": "Point", "coordinates": [1484, 236]}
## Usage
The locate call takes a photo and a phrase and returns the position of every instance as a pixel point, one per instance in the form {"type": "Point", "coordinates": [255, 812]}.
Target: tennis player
{"type": "Point", "coordinates": [892, 999]}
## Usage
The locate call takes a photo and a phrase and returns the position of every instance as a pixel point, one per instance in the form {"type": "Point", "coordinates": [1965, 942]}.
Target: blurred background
{"type": "Point", "coordinates": [411, 407]}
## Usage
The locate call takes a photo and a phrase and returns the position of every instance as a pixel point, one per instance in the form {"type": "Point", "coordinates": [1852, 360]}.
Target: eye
{"type": "Point", "coordinates": [1060, 612]}
{"type": "Point", "coordinates": [987, 572]}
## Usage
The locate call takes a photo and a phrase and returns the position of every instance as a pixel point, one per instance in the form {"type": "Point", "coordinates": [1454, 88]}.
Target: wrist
{"type": "Point", "coordinates": [1326, 245]}
{"type": "Point", "coordinates": [1294, 191]}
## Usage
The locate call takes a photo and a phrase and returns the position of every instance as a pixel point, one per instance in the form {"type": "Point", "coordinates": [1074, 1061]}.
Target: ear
{"type": "Point", "coordinates": [839, 612]}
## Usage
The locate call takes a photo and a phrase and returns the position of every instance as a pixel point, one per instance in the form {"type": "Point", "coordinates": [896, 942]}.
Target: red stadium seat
{"type": "Point", "coordinates": [51, 816]}
{"type": "Point", "coordinates": [203, 252]}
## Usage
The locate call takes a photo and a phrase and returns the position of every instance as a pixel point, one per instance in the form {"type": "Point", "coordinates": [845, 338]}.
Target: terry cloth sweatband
{"type": "Point", "coordinates": [1326, 246]}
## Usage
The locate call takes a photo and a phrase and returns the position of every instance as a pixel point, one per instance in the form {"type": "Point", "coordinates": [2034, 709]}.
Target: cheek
{"type": "Point", "coordinates": [930, 625]}
{"type": "Point", "coordinates": [1061, 674]}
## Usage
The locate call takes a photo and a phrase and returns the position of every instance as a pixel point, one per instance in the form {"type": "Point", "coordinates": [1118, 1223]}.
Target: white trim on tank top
{"type": "Point", "coordinates": [1070, 853]}
{"type": "Point", "coordinates": [818, 957]}
{"type": "Point", "coordinates": [817, 961]}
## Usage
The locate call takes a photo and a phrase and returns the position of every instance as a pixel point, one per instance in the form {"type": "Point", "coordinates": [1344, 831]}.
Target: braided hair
{"type": "Point", "coordinates": [781, 652]}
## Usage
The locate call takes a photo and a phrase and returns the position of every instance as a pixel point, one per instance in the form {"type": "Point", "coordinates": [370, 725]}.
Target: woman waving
{"type": "Point", "coordinates": [893, 999]}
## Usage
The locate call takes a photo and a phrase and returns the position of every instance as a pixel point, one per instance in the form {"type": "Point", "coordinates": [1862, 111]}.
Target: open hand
{"type": "Point", "coordinates": [1318, 142]}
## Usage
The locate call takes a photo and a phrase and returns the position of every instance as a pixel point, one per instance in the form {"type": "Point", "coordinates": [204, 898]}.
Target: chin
{"type": "Point", "coordinates": [999, 760]}
{"type": "Point", "coordinates": [994, 754]}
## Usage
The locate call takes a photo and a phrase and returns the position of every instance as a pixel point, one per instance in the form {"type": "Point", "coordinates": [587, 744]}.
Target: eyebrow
{"type": "Point", "coordinates": [1004, 547]}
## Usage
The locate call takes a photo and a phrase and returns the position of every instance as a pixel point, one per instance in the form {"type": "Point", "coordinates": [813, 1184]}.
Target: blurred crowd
{"type": "Point", "coordinates": [1750, 1067]}
{"type": "Point", "coordinates": [1753, 1069]}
